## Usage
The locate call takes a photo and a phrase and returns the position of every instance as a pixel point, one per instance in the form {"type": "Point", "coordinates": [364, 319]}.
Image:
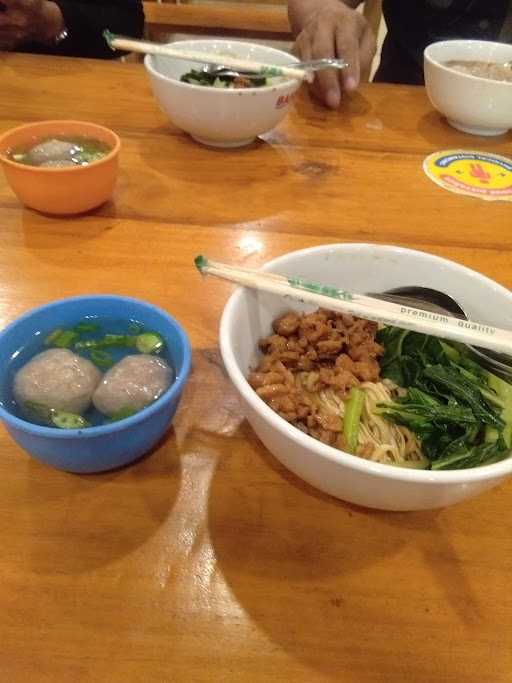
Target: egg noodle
{"type": "Point", "coordinates": [378, 439]}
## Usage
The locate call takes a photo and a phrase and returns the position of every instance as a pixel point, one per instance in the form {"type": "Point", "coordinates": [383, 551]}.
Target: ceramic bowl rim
{"type": "Point", "coordinates": [67, 169]}
{"type": "Point", "coordinates": [468, 77]}
{"type": "Point", "coordinates": [150, 66]}
{"type": "Point", "coordinates": [329, 453]}
{"type": "Point", "coordinates": [91, 432]}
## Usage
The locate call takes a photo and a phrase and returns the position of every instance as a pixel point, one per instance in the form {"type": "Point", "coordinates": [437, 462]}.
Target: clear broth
{"type": "Point", "coordinates": [36, 344]}
{"type": "Point", "coordinates": [490, 70]}
{"type": "Point", "coordinates": [86, 150]}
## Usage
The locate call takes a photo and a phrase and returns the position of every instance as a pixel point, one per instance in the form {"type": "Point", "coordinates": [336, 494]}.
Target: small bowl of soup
{"type": "Point", "coordinates": [470, 83]}
{"type": "Point", "coordinates": [91, 383]}
{"type": "Point", "coordinates": [60, 167]}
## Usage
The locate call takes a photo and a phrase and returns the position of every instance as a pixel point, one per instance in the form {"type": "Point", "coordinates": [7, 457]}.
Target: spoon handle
{"type": "Point", "coordinates": [319, 64]}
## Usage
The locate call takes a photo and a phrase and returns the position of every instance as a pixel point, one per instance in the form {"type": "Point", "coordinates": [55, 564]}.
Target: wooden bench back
{"type": "Point", "coordinates": [264, 19]}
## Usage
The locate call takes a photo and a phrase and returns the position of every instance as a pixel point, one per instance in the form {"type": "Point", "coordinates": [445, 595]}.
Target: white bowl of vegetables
{"type": "Point", "coordinates": [218, 112]}
{"type": "Point", "coordinates": [300, 386]}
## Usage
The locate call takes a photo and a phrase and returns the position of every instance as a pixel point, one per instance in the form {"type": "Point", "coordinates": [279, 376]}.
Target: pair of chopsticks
{"type": "Point", "coordinates": [387, 313]}
{"type": "Point", "coordinates": [150, 48]}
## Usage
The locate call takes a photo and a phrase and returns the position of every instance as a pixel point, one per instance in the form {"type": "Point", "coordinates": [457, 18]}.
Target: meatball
{"type": "Point", "coordinates": [58, 379]}
{"type": "Point", "coordinates": [133, 383]}
{"type": "Point", "coordinates": [51, 150]}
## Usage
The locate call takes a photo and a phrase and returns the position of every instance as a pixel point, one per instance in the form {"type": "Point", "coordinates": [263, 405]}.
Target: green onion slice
{"type": "Point", "coordinates": [50, 339]}
{"type": "Point", "coordinates": [124, 341]}
{"type": "Point", "coordinates": [66, 339]}
{"type": "Point", "coordinates": [86, 344]}
{"type": "Point", "coordinates": [52, 417]}
{"type": "Point", "coordinates": [38, 412]}
{"type": "Point", "coordinates": [134, 328]}
{"type": "Point", "coordinates": [64, 420]}
{"type": "Point", "coordinates": [85, 326]}
{"type": "Point", "coordinates": [101, 358]}
{"type": "Point", "coordinates": [149, 342]}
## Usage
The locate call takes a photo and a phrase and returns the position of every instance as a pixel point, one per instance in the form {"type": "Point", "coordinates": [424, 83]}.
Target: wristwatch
{"type": "Point", "coordinates": [61, 35]}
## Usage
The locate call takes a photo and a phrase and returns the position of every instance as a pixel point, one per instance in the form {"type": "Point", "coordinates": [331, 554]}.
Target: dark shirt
{"type": "Point", "coordinates": [86, 21]}
{"type": "Point", "coordinates": [414, 24]}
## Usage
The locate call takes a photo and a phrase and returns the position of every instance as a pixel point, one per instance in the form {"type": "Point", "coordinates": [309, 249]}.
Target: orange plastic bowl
{"type": "Point", "coordinates": [61, 190]}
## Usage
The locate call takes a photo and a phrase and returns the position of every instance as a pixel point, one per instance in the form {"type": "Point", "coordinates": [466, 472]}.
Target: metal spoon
{"type": "Point", "coordinates": [438, 302]}
{"type": "Point", "coordinates": [312, 65]}
{"type": "Point", "coordinates": [430, 299]}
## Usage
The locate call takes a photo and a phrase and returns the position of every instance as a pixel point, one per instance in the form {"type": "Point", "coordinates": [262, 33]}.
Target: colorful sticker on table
{"type": "Point", "coordinates": [477, 174]}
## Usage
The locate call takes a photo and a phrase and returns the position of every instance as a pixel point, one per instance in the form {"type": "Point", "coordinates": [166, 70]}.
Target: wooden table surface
{"type": "Point", "coordinates": [207, 561]}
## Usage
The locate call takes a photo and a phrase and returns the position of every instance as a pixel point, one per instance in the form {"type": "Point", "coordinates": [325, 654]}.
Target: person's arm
{"type": "Point", "coordinates": [85, 22]}
{"type": "Point", "coordinates": [66, 27]}
{"type": "Point", "coordinates": [25, 20]}
{"type": "Point", "coordinates": [332, 28]}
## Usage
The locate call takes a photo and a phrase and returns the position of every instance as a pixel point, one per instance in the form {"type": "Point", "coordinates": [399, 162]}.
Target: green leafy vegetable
{"type": "Point", "coordinates": [213, 80]}
{"type": "Point", "coordinates": [423, 413]}
{"type": "Point", "coordinates": [504, 392]}
{"type": "Point", "coordinates": [484, 454]}
{"type": "Point", "coordinates": [463, 390]}
{"type": "Point", "coordinates": [461, 413]}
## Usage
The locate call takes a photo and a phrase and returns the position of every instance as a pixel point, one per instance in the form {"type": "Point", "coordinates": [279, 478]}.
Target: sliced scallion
{"type": "Point", "coordinates": [50, 339]}
{"type": "Point", "coordinates": [134, 328]}
{"type": "Point", "coordinates": [53, 418]}
{"type": "Point", "coordinates": [38, 412]}
{"type": "Point", "coordinates": [66, 339]}
{"type": "Point", "coordinates": [124, 341]}
{"type": "Point", "coordinates": [64, 420]}
{"type": "Point", "coordinates": [101, 358]}
{"type": "Point", "coordinates": [85, 326]}
{"type": "Point", "coordinates": [86, 344]}
{"type": "Point", "coordinates": [149, 342]}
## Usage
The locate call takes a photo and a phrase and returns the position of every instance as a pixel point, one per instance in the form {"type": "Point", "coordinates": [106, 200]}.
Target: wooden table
{"type": "Point", "coordinates": [207, 561]}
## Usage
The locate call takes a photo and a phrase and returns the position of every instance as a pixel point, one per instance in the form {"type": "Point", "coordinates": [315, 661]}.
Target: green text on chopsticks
{"type": "Point", "coordinates": [326, 290]}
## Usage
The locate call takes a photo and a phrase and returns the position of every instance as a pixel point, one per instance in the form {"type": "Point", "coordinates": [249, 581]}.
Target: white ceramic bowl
{"type": "Point", "coordinates": [248, 316]}
{"type": "Point", "coordinates": [472, 104]}
{"type": "Point", "coordinates": [220, 117]}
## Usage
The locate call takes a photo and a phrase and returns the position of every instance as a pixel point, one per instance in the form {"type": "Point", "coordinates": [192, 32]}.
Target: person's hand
{"type": "Point", "coordinates": [23, 21]}
{"type": "Point", "coordinates": [333, 30]}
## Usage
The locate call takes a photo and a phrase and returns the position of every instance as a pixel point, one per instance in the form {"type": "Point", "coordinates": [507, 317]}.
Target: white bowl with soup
{"type": "Point", "coordinates": [467, 81]}
{"type": "Point", "coordinates": [357, 478]}
{"type": "Point", "coordinates": [220, 116]}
